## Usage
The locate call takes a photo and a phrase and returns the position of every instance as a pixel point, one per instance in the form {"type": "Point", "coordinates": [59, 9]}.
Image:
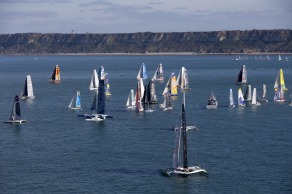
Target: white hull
{"type": "Point", "coordinates": [15, 121]}
{"type": "Point", "coordinates": [75, 108]}
{"type": "Point", "coordinates": [27, 97]}
{"type": "Point", "coordinates": [211, 106]}
{"type": "Point", "coordinates": [95, 118]}
{"type": "Point", "coordinates": [131, 107]}
{"type": "Point", "coordinates": [193, 170]}
{"type": "Point", "coordinates": [166, 109]}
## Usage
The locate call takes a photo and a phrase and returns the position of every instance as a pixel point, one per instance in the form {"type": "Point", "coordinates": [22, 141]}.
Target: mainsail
{"type": "Point", "coordinates": [15, 116]}
{"type": "Point", "coordinates": [158, 75]}
{"type": "Point", "coordinates": [94, 81]}
{"type": "Point", "coordinates": [183, 79]}
{"type": "Point", "coordinates": [107, 85]}
{"type": "Point", "coordinates": [142, 72]}
{"type": "Point", "coordinates": [231, 100]}
{"type": "Point", "coordinates": [56, 74]}
{"type": "Point", "coordinates": [240, 98]}
{"type": "Point", "coordinates": [247, 95]}
{"type": "Point", "coordinates": [75, 102]}
{"type": "Point", "coordinates": [242, 76]}
{"type": "Point", "coordinates": [27, 91]}
{"type": "Point", "coordinates": [280, 87]}
{"type": "Point", "coordinates": [139, 95]}
{"type": "Point", "coordinates": [151, 92]}
{"type": "Point", "coordinates": [131, 100]}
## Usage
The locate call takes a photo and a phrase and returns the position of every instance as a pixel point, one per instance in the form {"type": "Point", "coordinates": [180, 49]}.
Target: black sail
{"type": "Point", "coordinates": [184, 130]}
{"type": "Point", "coordinates": [101, 98]}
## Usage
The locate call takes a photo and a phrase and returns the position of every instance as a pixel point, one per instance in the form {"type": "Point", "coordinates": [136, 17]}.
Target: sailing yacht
{"type": "Point", "coordinates": [240, 98]}
{"type": "Point", "coordinates": [171, 86]}
{"type": "Point", "coordinates": [75, 103]}
{"type": "Point", "coordinates": [183, 79]}
{"type": "Point", "coordinates": [107, 85]}
{"type": "Point", "coordinates": [146, 101]}
{"type": "Point", "coordinates": [142, 72]}
{"type": "Point", "coordinates": [264, 98]}
{"type": "Point", "coordinates": [131, 103]}
{"type": "Point", "coordinates": [166, 105]}
{"type": "Point", "coordinates": [139, 95]}
{"type": "Point", "coordinates": [280, 58]}
{"type": "Point", "coordinates": [158, 75]}
{"type": "Point", "coordinates": [212, 102]}
{"type": "Point", "coordinates": [231, 99]}
{"type": "Point", "coordinates": [94, 81]}
{"type": "Point", "coordinates": [27, 91]}
{"type": "Point", "coordinates": [151, 92]}
{"type": "Point", "coordinates": [248, 94]}
{"type": "Point", "coordinates": [15, 116]}
{"type": "Point", "coordinates": [280, 87]}
{"type": "Point", "coordinates": [242, 76]}
{"type": "Point", "coordinates": [254, 101]}
{"type": "Point", "coordinates": [56, 77]}
{"type": "Point", "coordinates": [180, 156]}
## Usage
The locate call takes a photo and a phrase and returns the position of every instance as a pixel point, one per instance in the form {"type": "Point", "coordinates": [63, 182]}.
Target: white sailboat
{"type": "Point", "coordinates": [15, 116]}
{"type": "Point", "coordinates": [212, 102]}
{"type": "Point", "coordinates": [131, 103]}
{"type": "Point", "coordinates": [94, 81]}
{"type": "Point", "coordinates": [27, 91]}
{"type": "Point", "coordinates": [139, 95]}
{"type": "Point", "coordinates": [180, 156]}
{"type": "Point", "coordinates": [166, 105]}
{"type": "Point", "coordinates": [171, 86]}
{"type": "Point", "coordinates": [254, 101]}
{"type": "Point", "coordinates": [231, 99]}
{"type": "Point", "coordinates": [240, 98]}
{"type": "Point", "coordinates": [142, 72]}
{"type": "Point", "coordinates": [183, 79]}
{"type": "Point", "coordinates": [279, 58]}
{"type": "Point", "coordinates": [264, 97]}
{"type": "Point", "coordinates": [75, 103]}
{"type": "Point", "coordinates": [158, 75]}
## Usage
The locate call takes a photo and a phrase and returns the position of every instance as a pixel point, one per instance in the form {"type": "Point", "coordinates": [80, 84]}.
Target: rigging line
{"type": "Point", "coordinates": [193, 150]}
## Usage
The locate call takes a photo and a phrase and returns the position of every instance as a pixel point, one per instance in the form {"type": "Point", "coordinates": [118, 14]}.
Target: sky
{"type": "Point", "coordinates": [129, 16]}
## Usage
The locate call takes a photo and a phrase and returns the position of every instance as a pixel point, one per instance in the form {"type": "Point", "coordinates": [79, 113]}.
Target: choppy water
{"type": "Point", "coordinates": [244, 150]}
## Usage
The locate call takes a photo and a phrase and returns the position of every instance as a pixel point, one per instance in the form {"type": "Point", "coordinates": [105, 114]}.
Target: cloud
{"type": "Point", "coordinates": [182, 8]}
{"type": "Point", "coordinates": [27, 14]}
{"type": "Point", "coordinates": [155, 3]}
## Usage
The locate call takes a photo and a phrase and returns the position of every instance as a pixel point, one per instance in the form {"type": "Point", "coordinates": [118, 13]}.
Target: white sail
{"type": "Point", "coordinates": [75, 102]}
{"type": "Point", "coordinates": [94, 81]}
{"type": "Point", "coordinates": [240, 98]}
{"type": "Point", "coordinates": [158, 75]}
{"type": "Point", "coordinates": [247, 95]}
{"type": "Point", "coordinates": [139, 95]}
{"type": "Point", "coordinates": [27, 91]}
{"type": "Point", "coordinates": [254, 101]}
{"type": "Point", "coordinates": [231, 100]}
{"type": "Point", "coordinates": [131, 104]}
{"type": "Point", "coordinates": [280, 58]}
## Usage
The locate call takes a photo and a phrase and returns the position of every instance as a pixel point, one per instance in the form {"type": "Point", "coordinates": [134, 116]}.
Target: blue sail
{"type": "Point", "coordinates": [78, 100]}
{"type": "Point", "coordinates": [93, 107]}
{"type": "Point", "coordinates": [144, 71]}
{"type": "Point", "coordinates": [101, 98]}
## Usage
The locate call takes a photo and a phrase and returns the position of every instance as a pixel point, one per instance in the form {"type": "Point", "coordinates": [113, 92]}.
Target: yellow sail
{"type": "Point", "coordinates": [282, 82]}
{"type": "Point", "coordinates": [173, 86]}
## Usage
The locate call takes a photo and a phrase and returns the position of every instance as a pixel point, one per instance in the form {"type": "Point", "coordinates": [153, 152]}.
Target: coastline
{"type": "Point", "coordinates": [141, 54]}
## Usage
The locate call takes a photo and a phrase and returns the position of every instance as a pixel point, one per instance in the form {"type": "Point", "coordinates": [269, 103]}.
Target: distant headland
{"type": "Point", "coordinates": [215, 42]}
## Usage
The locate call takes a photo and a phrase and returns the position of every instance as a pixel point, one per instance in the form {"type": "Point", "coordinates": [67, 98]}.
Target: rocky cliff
{"type": "Point", "coordinates": [249, 41]}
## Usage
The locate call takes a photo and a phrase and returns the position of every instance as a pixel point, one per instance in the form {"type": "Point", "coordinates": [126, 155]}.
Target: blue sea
{"type": "Point", "coordinates": [244, 150]}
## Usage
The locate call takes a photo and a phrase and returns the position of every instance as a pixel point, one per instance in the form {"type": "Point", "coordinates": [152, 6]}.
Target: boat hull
{"type": "Point", "coordinates": [15, 121]}
{"type": "Point", "coordinates": [193, 170]}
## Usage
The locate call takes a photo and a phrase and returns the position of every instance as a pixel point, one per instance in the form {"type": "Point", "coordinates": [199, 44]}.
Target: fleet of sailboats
{"type": "Point", "coordinates": [56, 75]}
{"type": "Point", "coordinates": [180, 156]}
{"type": "Point", "coordinates": [27, 90]}
{"type": "Point", "coordinates": [15, 116]}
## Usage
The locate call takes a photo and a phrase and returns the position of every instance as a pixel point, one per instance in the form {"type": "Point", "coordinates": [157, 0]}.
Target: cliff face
{"type": "Point", "coordinates": [197, 42]}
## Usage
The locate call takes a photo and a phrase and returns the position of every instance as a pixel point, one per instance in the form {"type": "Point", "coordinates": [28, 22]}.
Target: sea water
{"type": "Point", "coordinates": [244, 150]}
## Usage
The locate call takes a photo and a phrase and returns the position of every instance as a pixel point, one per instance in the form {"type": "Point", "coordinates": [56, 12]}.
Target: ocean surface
{"type": "Point", "coordinates": [244, 150]}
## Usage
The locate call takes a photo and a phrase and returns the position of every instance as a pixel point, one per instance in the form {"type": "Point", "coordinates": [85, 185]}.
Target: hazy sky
{"type": "Point", "coordinates": [119, 16]}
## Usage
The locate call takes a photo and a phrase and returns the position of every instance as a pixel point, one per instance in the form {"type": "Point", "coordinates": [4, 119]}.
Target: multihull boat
{"type": "Point", "coordinates": [15, 116]}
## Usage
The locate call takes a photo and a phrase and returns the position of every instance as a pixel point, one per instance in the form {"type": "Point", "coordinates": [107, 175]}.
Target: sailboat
{"type": "Point", "coordinates": [93, 116]}
{"type": "Point", "coordinates": [247, 95]}
{"type": "Point", "coordinates": [180, 156]}
{"type": "Point", "coordinates": [280, 87]}
{"type": "Point", "coordinates": [171, 86]}
{"type": "Point", "coordinates": [27, 91]}
{"type": "Point", "coordinates": [107, 85]}
{"type": "Point", "coordinates": [151, 92]}
{"type": "Point", "coordinates": [264, 97]}
{"type": "Point", "coordinates": [131, 103]}
{"type": "Point", "coordinates": [56, 77]}
{"type": "Point", "coordinates": [240, 98]}
{"type": "Point", "coordinates": [212, 102]}
{"type": "Point", "coordinates": [242, 76]}
{"type": "Point", "coordinates": [15, 116]}
{"type": "Point", "coordinates": [94, 81]}
{"type": "Point", "coordinates": [290, 102]}
{"type": "Point", "coordinates": [75, 103]}
{"type": "Point", "coordinates": [231, 99]}
{"type": "Point", "coordinates": [287, 58]}
{"type": "Point", "coordinates": [100, 111]}
{"type": "Point", "coordinates": [146, 101]}
{"type": "Point", "coordinates": [254, 101]}
{"type": "Point", "coordinates": [279, 58]}
{"type": "Point", "coordinates": [142, 72]}
{"type": "Point", "coordinates": [166, 105]}
{"type": "Point", "coordinates": [183, 79]}
{"type": "Point", "coordinates": [139, 95]}
{"type": "Point", "coordinates": [158, 75]}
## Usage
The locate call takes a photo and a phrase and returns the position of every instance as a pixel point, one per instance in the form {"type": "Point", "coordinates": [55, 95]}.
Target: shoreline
{"type": "Point", "coordinates": [141, 54]}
